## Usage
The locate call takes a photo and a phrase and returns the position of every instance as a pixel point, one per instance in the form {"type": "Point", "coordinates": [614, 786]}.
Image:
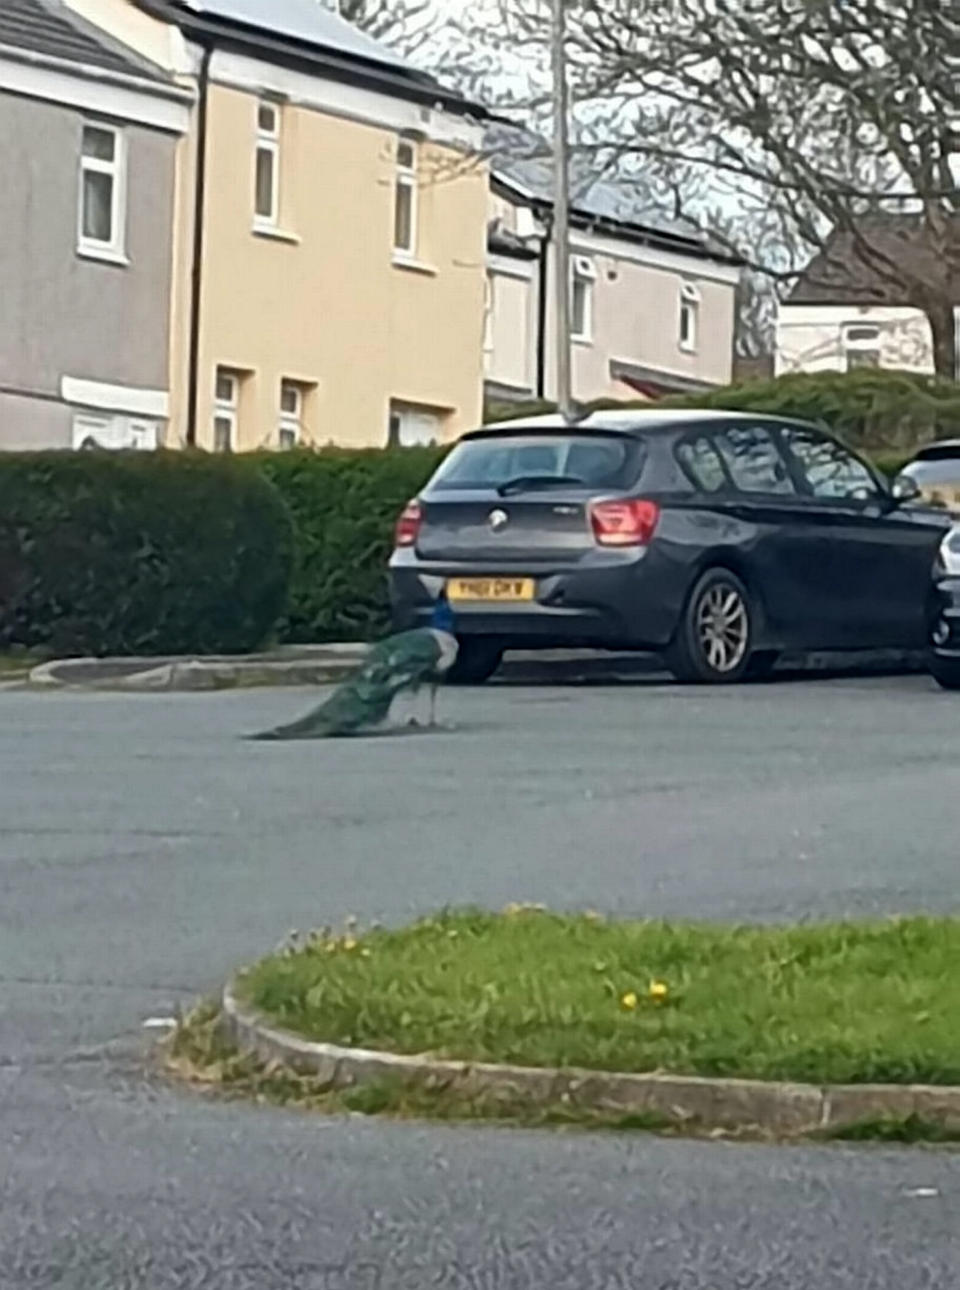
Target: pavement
{"type": "Point", "coordinates": [146, 850]}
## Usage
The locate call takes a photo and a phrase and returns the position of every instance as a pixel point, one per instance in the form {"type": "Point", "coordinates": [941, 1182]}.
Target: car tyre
{"type": "Point", "coordinates": [712, 643]}
{"type": "Point", "coordinates": [477, 661]}
{"type": "Point", "coordinates": [945, 671]}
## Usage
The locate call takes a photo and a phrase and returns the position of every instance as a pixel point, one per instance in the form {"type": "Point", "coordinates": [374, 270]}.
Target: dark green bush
{"type": "Point", "coordinates": [131, 553]}
{"type": "Point", "coordinates": [870, 408]}
{"type": "Point", "coordinates": [344, 506]}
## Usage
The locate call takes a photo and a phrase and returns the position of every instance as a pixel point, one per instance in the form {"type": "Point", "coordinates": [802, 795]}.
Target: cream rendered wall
{"type": "Point", "coordinates": [325, 304]}
{"type": "Point", "coordinates": [157, 41]}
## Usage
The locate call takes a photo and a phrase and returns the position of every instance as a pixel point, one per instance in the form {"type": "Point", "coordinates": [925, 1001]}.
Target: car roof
{"type": "Point", "coordinates": [942, 448]}
{"type": "Point", "coordinates": [629, 421]}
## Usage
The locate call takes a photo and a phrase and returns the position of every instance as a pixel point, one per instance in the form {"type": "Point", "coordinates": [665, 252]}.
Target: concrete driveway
{"type": "Point", "coordinates": [145, 850]}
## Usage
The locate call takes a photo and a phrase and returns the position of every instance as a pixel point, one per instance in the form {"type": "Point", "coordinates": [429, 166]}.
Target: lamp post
{"type": "Point", "coordinates": [561, 209]}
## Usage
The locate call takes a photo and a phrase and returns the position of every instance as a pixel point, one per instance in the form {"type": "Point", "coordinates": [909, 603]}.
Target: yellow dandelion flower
{"type": "Point", "coordinates": [349, 943]}
{"type": "Point", "coordinates": [659, 990]}
{"type": "Point", "coordinates": [629, 1000]}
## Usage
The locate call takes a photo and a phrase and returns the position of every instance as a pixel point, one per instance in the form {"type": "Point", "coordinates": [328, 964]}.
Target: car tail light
{"type": "Point", "coordinates": [408, 525]}
{"type": "Point", "coordinates": [630, 523]}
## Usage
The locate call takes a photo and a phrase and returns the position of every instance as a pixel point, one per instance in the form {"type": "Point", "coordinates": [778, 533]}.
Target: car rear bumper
{"type": "Point", "coordinates": [614, 599]}
{"type": "Point", "coordinates": [945, 618]}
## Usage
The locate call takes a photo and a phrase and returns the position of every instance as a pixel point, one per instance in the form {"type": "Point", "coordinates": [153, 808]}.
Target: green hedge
{"type": "Point", "coordinates": [344, 506]}
{"type": "Point", "coordinates": [137, 553]}
{"type": "Point", "coordinates": [870, 408]}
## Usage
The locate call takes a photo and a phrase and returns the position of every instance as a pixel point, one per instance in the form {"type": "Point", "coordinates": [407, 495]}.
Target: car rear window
{"type": "Point", "coordinates": [600, 461]}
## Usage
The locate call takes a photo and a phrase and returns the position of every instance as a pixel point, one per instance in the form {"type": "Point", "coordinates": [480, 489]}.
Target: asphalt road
{"type": "Point", "coordinates": [145, 850]}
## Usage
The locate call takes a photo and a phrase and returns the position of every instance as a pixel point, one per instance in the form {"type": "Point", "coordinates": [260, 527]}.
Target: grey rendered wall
{"type": "Point", "coordinates": [31, 422]}
{"type": "Point", "coordinates": [60, 314]}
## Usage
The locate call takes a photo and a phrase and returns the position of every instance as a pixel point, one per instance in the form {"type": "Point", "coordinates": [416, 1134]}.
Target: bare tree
{"type": "Point", "coordinates": [834, 123]}
{"type": "Point", "coordinates": [396, 22]}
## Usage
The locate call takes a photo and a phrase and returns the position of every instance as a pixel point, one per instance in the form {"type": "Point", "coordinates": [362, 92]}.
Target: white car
{"type": "Point", "coordinates": [936, 472]}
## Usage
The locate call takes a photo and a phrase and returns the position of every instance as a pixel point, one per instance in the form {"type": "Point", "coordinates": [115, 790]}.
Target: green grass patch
{"type": "Point", "coordinates": [840, 1003]}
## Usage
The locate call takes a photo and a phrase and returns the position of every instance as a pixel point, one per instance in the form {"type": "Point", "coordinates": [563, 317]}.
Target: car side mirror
{"type": "Point", "coordinates": [904, 490]}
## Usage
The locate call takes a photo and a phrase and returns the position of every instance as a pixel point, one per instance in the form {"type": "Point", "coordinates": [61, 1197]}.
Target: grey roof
{"type": "Point", "coordinates": [523, 159]}
{"type": "Point", "coordinates": [840, 275]}
{"type": "Point", "coordinates": [49, 28]}
{"type": "Point", "coordinates": [304, 20]}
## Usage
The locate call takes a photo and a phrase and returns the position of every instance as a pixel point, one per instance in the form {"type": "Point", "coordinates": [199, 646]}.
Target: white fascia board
{"type": "Point", "coordinates": [510, 268]}
{"type": "Point", "coordinates": [354, 102]}
{"type": "Point", "coordinates": [131, 399]}
{"type": "Point", "coordinates": [92, 90]}
{"type": "Point", "coordinates": [673, 261]}
{"type": "Point", "coordinates": [828, 315]}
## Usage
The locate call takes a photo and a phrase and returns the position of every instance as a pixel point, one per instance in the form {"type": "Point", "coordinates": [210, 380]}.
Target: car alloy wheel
{"type": "Point", "coordinates": [723, 627]}
{"type": "Point", "coordinates": [713, 642]}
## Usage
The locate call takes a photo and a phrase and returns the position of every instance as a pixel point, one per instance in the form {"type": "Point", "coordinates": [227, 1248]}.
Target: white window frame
{"type": "Point", "coordinates": [268, 140]}
{"type": "Point", "coordinates": [583, 277]}
{"type": "Point", "coordinates": [114, 248]}
{"type": "Point", "coordinates": [406, 180]}
{"type": "Point", "coordinates": [861, 344]}
{"type": "Point", "coordinates": [290, 423]}
{"type": "Point", "coordinates": [688, 333]}
{"type": "Point", "coordinates": [489, 305]}
{"type": "Point", "coordinates": [226, 408]}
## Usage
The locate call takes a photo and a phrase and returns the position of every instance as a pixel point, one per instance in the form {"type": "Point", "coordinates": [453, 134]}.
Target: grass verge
{"type": "Point", "coordinates": [198, 1054]}
{"type": "Point", "coordinates": [839, 1003]}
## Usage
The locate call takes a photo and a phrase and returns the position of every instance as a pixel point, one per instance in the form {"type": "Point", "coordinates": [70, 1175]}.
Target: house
{"type": "Point", "coordinates": [652, 308]}
{"type": "Point", "coordinates": [841, 313]}
{"type": "Point", "coordinates": [329, 230]}
{"type": "Point", "coordinates": [89, 133]}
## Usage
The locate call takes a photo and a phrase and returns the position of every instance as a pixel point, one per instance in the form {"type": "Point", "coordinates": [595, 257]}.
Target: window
{"type": "Point", "coordinates": [862, 346]}
{"type": "Point", "coordinates": [225, 410]}
{"type": "Point", "coordinates": [291, 414]}
{"type": "Point", "coordinates": [405, 200]}
{"type": "Point", "coordinates": [753, 459]}
{"type": "Point", "coordinates": [830, 472]}
{"type": "Point", "coordinates": [689, 316]}
{"type": "Point", "coordinates": [700, 462]}
{"type": "Point", "coordinates": [601, 461]}
{"type": "Point", "coordinates": [489, 304]}
{"type": "Point", "coordinates": [102, 191]}
{"type": "Point", "coordinates": [581, 299]}
{"type": "Point", "coordinates": [267, 182]}
{"type": "Point", "coordinates": [411, 426]}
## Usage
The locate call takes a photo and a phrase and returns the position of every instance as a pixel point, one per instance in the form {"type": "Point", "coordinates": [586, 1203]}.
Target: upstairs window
{"type": "Point", "coordinates": [689, 317]}
{"type": "Point", "coordinates": [267, 183]}
{"type": "Point", "coordinates": [102, 192]}
{"type": "Point", "coordinates": [405, 201]}
{"type": "Point", "coordinates": [581, 299]}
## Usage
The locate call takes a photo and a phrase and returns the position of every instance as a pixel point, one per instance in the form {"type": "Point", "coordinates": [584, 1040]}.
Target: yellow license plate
{"type": "Point", "coordinates": [485, 590]}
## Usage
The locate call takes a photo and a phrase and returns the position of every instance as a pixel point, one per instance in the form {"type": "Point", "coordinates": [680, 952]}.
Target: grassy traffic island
{"type": "Point", "coordinates": [820, 1004]}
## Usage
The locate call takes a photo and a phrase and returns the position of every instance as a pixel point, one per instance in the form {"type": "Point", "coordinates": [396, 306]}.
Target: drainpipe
{"type": "Point", "coordinates": [543, 281]}
{"type": "Point", "coordinates": [196, 275]}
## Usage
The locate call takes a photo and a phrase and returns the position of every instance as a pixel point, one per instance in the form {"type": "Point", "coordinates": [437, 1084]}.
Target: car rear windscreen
{"type": "Point", "coordinates": [591, 461]}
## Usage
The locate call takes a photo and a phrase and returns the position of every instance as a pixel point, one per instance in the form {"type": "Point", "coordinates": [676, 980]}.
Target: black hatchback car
{"type": "Point", "coordinates": [720, 539]}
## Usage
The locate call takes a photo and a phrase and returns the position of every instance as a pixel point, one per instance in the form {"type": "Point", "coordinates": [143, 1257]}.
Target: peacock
{"type": "Point", "coordinates": [406, 661]}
